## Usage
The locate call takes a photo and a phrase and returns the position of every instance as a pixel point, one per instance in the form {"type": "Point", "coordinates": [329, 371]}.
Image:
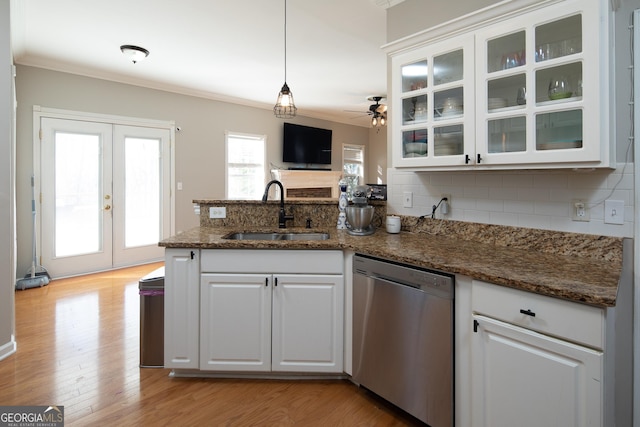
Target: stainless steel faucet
{"type": "Point", "coordinates": [282, 216]}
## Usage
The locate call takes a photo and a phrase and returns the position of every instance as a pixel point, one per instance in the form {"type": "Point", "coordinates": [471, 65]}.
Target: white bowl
{"type": "Point", "coordinates": [415, 148]}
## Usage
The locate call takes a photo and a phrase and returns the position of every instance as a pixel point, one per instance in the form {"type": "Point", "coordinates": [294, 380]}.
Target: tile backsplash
{"type": "Point", "coordinates": [540, 199]}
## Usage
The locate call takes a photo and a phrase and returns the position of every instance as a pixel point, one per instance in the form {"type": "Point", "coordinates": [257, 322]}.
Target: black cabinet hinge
{"type": "Point", "coordinates": [475, 325]}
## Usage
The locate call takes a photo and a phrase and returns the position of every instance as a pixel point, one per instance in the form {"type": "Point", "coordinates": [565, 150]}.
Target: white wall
{"type": "Point", "coordinates": [7, 219]}
{"type": "Point", "coordinates": [200, 165]}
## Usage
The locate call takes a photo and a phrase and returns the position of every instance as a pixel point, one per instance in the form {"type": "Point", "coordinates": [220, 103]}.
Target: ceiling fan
{"type": "Point", "coordinates": [377, 111]}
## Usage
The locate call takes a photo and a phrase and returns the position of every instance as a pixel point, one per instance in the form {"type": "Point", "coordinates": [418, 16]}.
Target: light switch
{"type": "Point", "coordinates": [614, 212]}
{"type": "Point", "coordinates": [407, 198]}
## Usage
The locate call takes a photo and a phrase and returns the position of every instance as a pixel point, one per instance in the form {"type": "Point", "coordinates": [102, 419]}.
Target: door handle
{"type": "Point", "coordinates": [107, 207]}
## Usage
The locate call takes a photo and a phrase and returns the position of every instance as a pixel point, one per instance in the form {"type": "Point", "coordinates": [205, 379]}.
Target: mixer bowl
{"type": "Point", "coordinates": [359, 217]}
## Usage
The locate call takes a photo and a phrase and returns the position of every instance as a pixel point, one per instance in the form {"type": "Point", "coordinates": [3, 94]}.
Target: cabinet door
{"type": "Point", "coordinates": [540, 87]}
{"type": "Point", "coordinates": [308, 316]}
{"type": "Point", "coordinates": [235, 328]}
{"type": "Point", "coordinates": [434, 102]}
{"type": "Point", "coordinates": [522, 378]}
{"type": "Point", "coordinates": [181, 308]}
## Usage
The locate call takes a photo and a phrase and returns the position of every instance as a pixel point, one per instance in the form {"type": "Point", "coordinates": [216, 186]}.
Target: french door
{"type": "Point", "coordinates": [105, 194]}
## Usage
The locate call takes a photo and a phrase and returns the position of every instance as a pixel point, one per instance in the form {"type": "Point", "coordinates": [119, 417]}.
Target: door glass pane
{"type": "Point", "coordinates": [507, 135]}
{"type": "Point", "coordinates": [559, 84]}
{"type": "Point", "coordinates": [559, 38]}
{"type": "Point", "coordinates": [506, 92]}
{"type": "Point", "coordinates": [559, 131]}
{"type": "Point", "coordinates": [448, 103]}
{"type": "Point", "coordinates": [448, 67]}
{"type": "Point", "coordinates": [414, 143]}
{"type": "Point", "coordinates": [414, 76]}
{"type": "Point", "coordinates": [78, 198]}
{"type": "Point", "coordinates": [142, 192]}
{"type": "Point", "coordinates": [506, 52]}
{"type": "Point", "coordinates": [414, 109]}
{"type": "Point", "coordinates": [448, 140]}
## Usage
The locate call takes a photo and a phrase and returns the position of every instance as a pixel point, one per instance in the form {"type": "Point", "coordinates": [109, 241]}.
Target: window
{"type": "Point", "coordinates": [245, 165]}
{"type": "Point", "coordinates": [353, 165]}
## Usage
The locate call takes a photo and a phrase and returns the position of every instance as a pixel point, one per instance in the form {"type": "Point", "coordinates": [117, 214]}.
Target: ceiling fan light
{"type": "Point", "coordinates": [134, 53]}
{"type": "Point", "coordinates": [382, 121]}
{"type": "Point", "coordinates": [374, 121]}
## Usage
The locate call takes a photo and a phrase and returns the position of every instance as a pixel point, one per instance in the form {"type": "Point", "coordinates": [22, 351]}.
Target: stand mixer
{"type": "Point", "coordinates": [360, 213]}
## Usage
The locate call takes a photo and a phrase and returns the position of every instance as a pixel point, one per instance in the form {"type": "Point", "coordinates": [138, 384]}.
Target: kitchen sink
{"type": "Point", "coordinates": [276, 236]}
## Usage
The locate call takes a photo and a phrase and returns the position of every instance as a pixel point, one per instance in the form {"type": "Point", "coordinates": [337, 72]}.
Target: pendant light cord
{"type": "Point", "coordinates": [285, 41]}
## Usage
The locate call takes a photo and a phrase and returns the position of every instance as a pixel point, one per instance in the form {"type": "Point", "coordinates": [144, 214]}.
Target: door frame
{"type": "Point", "coordinates": [42, 112]}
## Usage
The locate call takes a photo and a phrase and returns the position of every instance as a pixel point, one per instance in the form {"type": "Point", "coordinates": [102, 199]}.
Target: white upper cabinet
{"type": "Point", "coordinates": [528, 91]}
{"type": "Point", "coordinates": [433, 111]}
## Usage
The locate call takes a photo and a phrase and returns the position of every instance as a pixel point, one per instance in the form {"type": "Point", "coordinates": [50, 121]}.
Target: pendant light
{"type": "Point", "coordinates": [285, 108]}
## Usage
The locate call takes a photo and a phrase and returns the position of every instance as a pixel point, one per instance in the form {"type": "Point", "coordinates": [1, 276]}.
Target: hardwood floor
{"type": "Point", "coordinates": [78, 346]}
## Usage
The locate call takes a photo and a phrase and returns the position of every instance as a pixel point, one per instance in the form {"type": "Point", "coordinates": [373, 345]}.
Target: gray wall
{"type": "Point", "coordinates": [413, 16]}
{"type": "Point", "coordinates": [199, 159]}
{"type": "Point", "coordinates": [7, 220]}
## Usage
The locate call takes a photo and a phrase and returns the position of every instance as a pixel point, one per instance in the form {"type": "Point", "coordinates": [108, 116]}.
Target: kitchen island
{"type": "Point", "coordinates": [547, 309]}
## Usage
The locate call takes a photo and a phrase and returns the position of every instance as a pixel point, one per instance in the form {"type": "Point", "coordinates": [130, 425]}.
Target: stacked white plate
{"type": "Point", "coordinates": [497, 103]}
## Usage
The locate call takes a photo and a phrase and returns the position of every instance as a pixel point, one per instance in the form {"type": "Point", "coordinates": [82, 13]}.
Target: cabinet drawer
{"type": "Point", "coordinates": [564, 319]}
{"type": "Point", "coordinates": [271, 261]}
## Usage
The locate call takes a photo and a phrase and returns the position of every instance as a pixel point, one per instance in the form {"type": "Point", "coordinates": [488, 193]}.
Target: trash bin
{"type": "Point", "coordinates": [151, 289]}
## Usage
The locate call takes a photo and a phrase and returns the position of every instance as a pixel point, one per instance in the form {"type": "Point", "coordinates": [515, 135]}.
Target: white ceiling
{"type": "Point", "coordinates": [228, 50]}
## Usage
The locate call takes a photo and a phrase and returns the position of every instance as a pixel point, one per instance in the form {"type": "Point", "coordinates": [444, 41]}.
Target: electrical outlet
{"type": "Point", "coordinates": [217, 212]}
{"type": "Point", "coordinates": [445, 205]}
{"type": "Point", "coordinates": [579, 210]}
{"type": "Point", "coordinates": [407, 198]}
{"type": "Point", "coordinates": [614, 212]}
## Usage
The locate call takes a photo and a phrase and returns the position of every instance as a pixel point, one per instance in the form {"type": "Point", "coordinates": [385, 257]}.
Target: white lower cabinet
{"type": "Point", "coordinates": [235, 322]}
{"type": "Point", "coordinates": [181, 308]}
{"type": "Point", "coordinates": [282, 321]}
{"type": "Point", "coordinates": [529, 366]}
{"type": "Point", "coordinates": [260, 322]}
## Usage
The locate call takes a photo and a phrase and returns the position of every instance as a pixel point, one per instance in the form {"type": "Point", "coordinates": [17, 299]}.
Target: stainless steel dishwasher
{"type": "Point", "coordinates": [403, 337]}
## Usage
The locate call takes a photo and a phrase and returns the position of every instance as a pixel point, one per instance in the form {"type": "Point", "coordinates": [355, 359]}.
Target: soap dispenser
{"type": "Point", "coordinates": [342, 204]}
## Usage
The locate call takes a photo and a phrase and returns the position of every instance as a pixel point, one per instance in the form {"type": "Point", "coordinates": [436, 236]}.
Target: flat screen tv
{"type": "Point", "coordinates": [305, 144]}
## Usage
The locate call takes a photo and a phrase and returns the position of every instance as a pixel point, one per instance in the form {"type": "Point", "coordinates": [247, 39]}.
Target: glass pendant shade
{"type": "Point", "coordinates": [285, 108]}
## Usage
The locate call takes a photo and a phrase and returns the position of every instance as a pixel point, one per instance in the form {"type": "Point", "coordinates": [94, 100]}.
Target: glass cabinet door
{"type": "Point", "coordinates": [432, 103]}
{"type": "Point", "coordinates": [531, 101]}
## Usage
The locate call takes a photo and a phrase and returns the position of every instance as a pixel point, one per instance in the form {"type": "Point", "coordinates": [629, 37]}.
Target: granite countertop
{"type": "Point", "coordinates": [578, 279]}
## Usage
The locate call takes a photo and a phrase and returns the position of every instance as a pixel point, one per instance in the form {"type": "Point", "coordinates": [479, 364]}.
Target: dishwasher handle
{"type": "Point", "coordinates": [436, 289]}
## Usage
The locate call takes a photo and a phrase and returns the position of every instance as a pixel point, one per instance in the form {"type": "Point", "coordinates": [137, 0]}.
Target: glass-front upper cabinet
{"type": "Point", "coordinates": [539, 99]}
{"type": "Point", "coordinates": [433, 91]}
{"type": "Point", "coordinates": [531, 90]}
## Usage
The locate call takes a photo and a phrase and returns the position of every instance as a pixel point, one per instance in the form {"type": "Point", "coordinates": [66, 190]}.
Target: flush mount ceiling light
{"type": "Point", "coordinates": [134, 53]}
{"type": "Point", "coordinates": [285, 108]}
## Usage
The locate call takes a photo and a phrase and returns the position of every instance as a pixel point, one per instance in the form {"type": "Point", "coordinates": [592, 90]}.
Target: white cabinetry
{"type": "Point", "coordinates": [535, 360]}
{"type": "Point", "coordinates": [433, 100]}
{"type": "Point", "coordinates": [235, 322]}
{"type": "Point", "coordinates": [181, 308]}
{"type": "Point", "coordinates": [531, 90]}
{"type": "Point", "coordinates": [284, 312]}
